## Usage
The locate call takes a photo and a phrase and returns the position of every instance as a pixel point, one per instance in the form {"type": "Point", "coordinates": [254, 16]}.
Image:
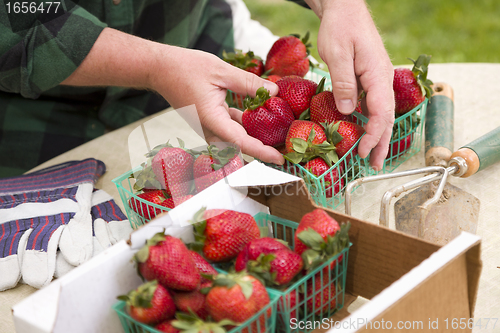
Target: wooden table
{"type": "Point", "coordinates": [477, 111]}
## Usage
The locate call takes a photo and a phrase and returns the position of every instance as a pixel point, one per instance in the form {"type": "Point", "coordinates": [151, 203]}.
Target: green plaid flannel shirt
{"type": "Point", "coordinates": [40, 119]}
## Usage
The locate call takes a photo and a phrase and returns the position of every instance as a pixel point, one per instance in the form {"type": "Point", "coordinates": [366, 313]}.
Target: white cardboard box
{"type": "Point", "coordinates": [406, 278]}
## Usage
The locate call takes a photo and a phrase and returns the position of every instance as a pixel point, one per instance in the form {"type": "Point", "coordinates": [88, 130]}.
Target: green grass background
{"type": "Point", "coordinates": [449, 30]}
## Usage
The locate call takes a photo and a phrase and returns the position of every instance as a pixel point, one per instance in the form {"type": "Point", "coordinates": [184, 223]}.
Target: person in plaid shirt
{"type": "Point", "coordinates": [68, 75]}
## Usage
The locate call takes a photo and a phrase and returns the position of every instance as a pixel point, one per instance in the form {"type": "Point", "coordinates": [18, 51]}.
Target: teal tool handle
{"type": "Point", "coordinates": [481, 153]}
{"type": "Point", "coordinates": [439, 126]}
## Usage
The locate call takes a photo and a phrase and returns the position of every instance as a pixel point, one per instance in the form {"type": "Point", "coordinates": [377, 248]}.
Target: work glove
{"type": "Point", "coordinates": [109, 226]}
{"type": "Point", "coordinates": [38, 212]}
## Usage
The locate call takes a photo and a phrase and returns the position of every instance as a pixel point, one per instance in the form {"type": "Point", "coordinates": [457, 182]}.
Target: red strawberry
{"type": "Point", "coordinates": [150, 303]}
{"type": "Point", "coordinates": [168, 260]}
{"type": "Point", "coordinates": [221, 234]}
{"type": "Point", "coordinates": [167, 327]}
{"type": "Point", "coordinates": [289, 304]}
{"type": "Point", "coordinates": [145, 210]}
{"type": "Point", "coordinates": [191, 301]}
{"type": "Point", "coordinates": [297, 92]}
{"type": "Point", "coordinates": [301, 129]}
{"type": "Point", "coordinates": [319, 221]}
{"type": "Point", "coordinates": [412, 86]}
{"type": "Point", "coordinates": [289, 56]}
{"type": "Point", "coordinates": [400, 146]}
{"type": "Point", "coordinates": [202, 265]}
{"type": "Point", "coordinates": [324, 110]}
{"type": "Point", "coordinates": [173, 168]}
{"type": "Point", "coordinates": [323, 295]}
{"type": "Point", "coordinates": [214, 164]}
{"type": "Point", "coordinates": [267, 118]}
{"type": "Point", "coordinates": [318, 167]}
{"type": "Point", "coordinates": [344, 135]}
{"type": "Point", "coordinates": [285, 266]}
{"type": "Point", "coordinates": [238, 297]}
{"type": "Point", "coordinates": [256, 247]}
{"type": "Point", "coordinates": [319, 238]}
{"type": "Point", "coordinates": [270, 260]}
{"type": "Point", "coordinates": [273, 78]}
{"type": "Point", "coordinates": [247, 61]}
{"type": "Point", "coordinates": [174, 202]}
{"type": "Point", "coordinates": [306, 140]}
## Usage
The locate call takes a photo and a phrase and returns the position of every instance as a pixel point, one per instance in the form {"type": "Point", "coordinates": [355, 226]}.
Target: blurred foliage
{"type": "Point", "coordinates": [449, 30]}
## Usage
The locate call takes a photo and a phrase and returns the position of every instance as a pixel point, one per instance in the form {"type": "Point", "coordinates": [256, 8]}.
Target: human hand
{"type": "Point", "coordinates": [185, 77]}
{"type": "Point", "coordinates": [351, 47]}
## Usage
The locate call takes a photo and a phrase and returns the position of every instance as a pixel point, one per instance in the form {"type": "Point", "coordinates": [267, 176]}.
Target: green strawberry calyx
{"type": "Point", "coordinates": [143, 254]}
{"type": "Point", "coordinates": [261, 96]}
{"type": "Point", "coordinates": [332, 132]}
{"type": "Point", "coordinates": [305, 41]}
{"type": "Point", "coordinates": [142, 296]}
{"type": "Point", "coordinates": [199, 225]}
{"type": "Point", "coordinates": [240, 59]}
{"type": "Point", "coordinates": [190, 322]}
{"type": "Point", "coordinates": [220, 157]}
{"type": "Point", "coordinates": [305, 150]}
{"type": "Point", "coordinates": [260, 269]}
{"type": "Point", "coordinates": [404, 127]}
{"type": "Point", "coordinates": [320, 250]}
{"type": "Point", "coordinates": [420, 70]}
{"type": "Point", "coordinates": [229, 280]}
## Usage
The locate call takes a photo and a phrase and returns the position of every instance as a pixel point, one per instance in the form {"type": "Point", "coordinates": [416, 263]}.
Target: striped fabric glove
{"type": "Point", "coordinates": [109, 226]}
{"type": "Point", "coordinates": [41, 211]}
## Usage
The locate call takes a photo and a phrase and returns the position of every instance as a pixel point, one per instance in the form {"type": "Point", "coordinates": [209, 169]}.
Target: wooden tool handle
{"type": "Point", "coordinates": [480, 153]}
{"type": "Point", "coordinates": [439, 126]}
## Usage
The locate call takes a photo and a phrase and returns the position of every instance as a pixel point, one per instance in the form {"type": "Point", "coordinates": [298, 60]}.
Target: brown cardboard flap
{"type": "Point", "coordinates": [436, 305]}
{"type": "Point", "coordinates": [378, 257]}
{"type": "Point", "coordinates": [474, 267]}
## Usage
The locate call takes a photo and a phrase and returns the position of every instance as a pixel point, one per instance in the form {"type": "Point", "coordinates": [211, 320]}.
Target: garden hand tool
{"type": "Point", "coordinates": [455, 210]}
{"type": "Point", "coordinates": [469, 159]}
{"type": "Point", "coordinates": [438, 151]}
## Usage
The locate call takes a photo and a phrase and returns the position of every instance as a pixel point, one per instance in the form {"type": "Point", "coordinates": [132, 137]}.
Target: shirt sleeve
{"type": "Point", "coordinates": [40, 50]}
{"type": "Point", "coordinates": [301, 3]}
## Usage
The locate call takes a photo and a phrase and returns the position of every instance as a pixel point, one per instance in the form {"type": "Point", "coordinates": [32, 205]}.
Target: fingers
{"type": "Point", "coordinates": [230, 130]}
{"type": "Point", "coordinates": [236, 115]}
{"type": "Point", "coordinates": [243, 82]}
{"type": "Point", "coordinates": [344, 84]}
{"type": "Point", "coordinates": [380, 103]}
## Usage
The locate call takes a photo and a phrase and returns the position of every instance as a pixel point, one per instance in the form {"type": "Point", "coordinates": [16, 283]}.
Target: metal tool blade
{"type": "Point", "coordinates": [456, 211]}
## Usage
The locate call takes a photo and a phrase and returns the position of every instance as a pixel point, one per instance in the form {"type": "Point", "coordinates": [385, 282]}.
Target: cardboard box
{"type": "Point", "coordinates": [407, 278]}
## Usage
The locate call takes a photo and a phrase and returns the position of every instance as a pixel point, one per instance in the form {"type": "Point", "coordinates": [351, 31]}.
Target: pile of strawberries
{"type": "Point", "coordinates": [182, 283]}
{"type": "Point", "coordinates": [302, 121]}
{"type": "Point", "coordinates": [172, 175]}
{"type": "Point", "coordinates": [267, 119]}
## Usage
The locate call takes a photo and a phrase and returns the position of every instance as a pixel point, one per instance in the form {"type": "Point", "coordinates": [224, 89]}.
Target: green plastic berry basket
{"type": "Point", "coordinates": [406, 140]}
{"type": "Point", "coordinates": [332, 273]}
{"type": "Point", "coordinates": [252, 325]}
{"type": "Point", "coordinates": [327, 189]}
{"type": "Point", "coordinates": [125, 186]}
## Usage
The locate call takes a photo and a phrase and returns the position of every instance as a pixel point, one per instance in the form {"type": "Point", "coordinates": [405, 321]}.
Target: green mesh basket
{"type": "Point", "coordinates": [406, 140]}
{"type": "Point", "coordinates": [252, 325]}
{"type": "Point", "coordinates": [125, 186]}
{"type": "Point", "coordinates": [327, 190]}
{"type": "Point", "coordinates": [319, 294]}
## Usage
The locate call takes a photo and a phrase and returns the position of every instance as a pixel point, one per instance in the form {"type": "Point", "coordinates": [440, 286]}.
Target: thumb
{"type": "Point", "coordinates": [243, 82]}
{"type": "Point", "coordinates": [344, 84]}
